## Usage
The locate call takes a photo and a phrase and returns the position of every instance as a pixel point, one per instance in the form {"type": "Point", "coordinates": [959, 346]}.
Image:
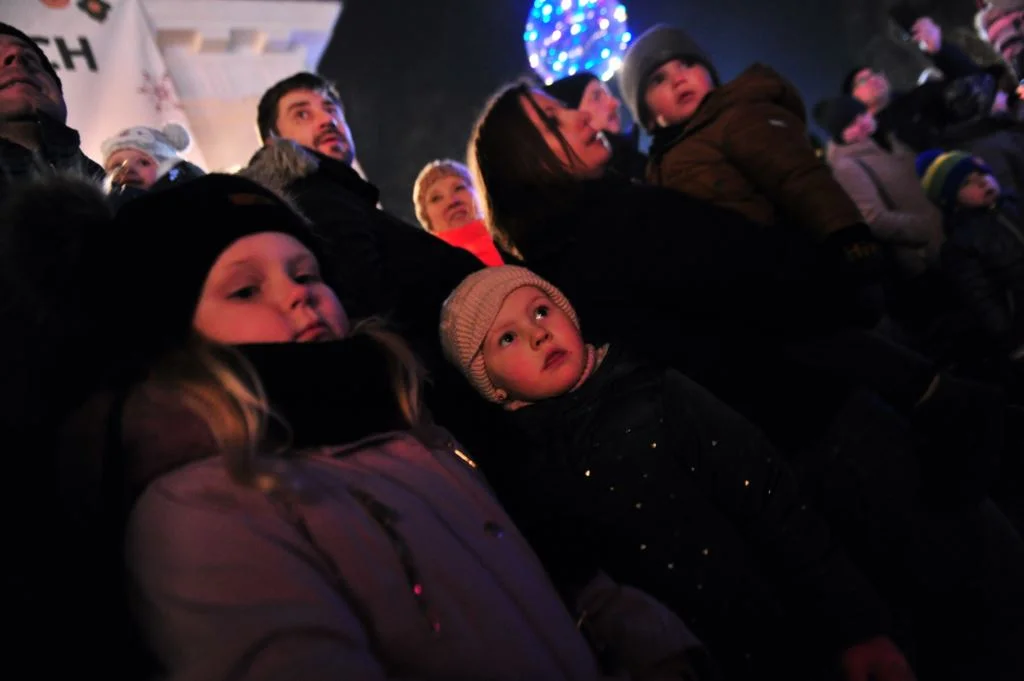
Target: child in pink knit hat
{"type": "Point", "coordinates": [639, 470]}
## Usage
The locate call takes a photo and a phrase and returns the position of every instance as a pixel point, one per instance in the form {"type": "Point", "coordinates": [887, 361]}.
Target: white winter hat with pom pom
{"type": "Point", "coordinates": [162, 145]}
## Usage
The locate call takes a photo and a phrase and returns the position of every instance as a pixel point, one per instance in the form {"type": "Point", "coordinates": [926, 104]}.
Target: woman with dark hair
{"type": "Point", "coordinates": [896, 457]}
{"type": "Point", "coordinates": [622, 249]}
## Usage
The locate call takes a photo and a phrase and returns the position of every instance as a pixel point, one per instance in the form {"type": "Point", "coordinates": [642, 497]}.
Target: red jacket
{"type": "Point", "coordinates": [475, 238]}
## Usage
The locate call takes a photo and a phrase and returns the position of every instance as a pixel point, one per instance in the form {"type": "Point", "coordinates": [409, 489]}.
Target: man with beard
{"type": "Point", "coordinates": [387, 267]}
{"type": "Point", "coordinates": [34, 137]}
{"type": "Point", "coordinates": [307, 109]}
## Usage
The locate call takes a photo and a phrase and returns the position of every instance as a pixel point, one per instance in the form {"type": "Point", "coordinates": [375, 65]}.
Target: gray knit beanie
{"type": "Point", "coordinates": [657, 45]}
{"type": "Point", "coordinates": [470, 311]}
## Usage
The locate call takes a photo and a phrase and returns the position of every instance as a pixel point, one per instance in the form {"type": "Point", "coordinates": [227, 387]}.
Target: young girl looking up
{"type": "Point", "coordinates": [668, 488]}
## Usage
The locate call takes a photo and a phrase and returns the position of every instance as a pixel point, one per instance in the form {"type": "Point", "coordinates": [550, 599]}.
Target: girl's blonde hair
{"type": "Point", "coordinates": [222, 387]}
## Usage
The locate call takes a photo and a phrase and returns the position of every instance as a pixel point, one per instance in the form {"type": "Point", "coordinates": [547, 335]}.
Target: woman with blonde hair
{"type": "Point", "coordinates": [448, 206]}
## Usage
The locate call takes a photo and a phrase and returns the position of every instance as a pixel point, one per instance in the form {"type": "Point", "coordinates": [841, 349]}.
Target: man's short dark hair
{"type": "Point", "coordinates": [266, 111]}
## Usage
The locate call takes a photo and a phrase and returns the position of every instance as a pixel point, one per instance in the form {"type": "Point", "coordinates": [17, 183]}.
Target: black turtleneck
{"type": "Point", "coordinates": [329, 393]}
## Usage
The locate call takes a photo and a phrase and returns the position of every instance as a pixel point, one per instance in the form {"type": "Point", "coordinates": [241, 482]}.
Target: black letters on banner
{"type": "Point", "coordinates": [68, 55]}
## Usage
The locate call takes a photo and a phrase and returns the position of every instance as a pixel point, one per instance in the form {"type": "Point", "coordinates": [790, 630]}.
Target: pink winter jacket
{"type": "Point", "coordinates": [310, 584]}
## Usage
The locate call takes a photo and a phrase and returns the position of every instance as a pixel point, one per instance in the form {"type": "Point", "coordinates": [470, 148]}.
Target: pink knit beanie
{"type": "Point", "coordinates": [470, 311]}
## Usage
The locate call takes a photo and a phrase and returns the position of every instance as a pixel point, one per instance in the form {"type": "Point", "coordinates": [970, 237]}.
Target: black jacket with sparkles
{"type": "Point", "coordinates": [643, 472]}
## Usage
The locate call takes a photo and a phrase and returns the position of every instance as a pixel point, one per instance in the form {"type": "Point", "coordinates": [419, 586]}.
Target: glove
{"type": "Point", "coordinates": [856, 253]}
{"type": "Point", "coordinates": [856, 262]}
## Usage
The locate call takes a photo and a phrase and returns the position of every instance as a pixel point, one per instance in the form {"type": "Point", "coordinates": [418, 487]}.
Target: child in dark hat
{"type": "Point", "coordinates": [983, 257]}
{"type": "Point", "coordinates": [742, 145]}
{"type": "Point", "coordinates": [586, 92]}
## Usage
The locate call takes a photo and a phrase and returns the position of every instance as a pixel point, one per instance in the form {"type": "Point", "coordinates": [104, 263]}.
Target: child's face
{"type": "Point", "coordinates": [978, 191]}
{"type": "Point", "coordinates": [266, 288]}
{"type": "Point", "coordinates": [675, 90]}
{"type": "Point", "coordinates": [131, 167]}
{"type": "Point", "coordinates": [533, 350]}
{"type": "Point", "coordinates": [602, 106]}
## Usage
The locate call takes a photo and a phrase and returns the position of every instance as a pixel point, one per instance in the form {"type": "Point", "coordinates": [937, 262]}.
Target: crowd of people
{"type": "Point", "coordinates": [746, 406]}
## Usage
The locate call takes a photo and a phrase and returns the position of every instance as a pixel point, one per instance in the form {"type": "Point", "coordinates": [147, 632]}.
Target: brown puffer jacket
{"type": "Point", "coordinates": [746, 148]}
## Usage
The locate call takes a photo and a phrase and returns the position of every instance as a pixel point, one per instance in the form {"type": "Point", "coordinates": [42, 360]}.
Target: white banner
{"type": "Point", "coordinates": [113, 74]}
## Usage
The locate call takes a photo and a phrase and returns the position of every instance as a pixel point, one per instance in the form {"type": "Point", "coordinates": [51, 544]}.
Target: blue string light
{"type": "Point", "coordinates": [563, 37]}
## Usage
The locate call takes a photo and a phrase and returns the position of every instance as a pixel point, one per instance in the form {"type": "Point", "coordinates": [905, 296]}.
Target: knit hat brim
{"type": "Point", "coordinates": [470, 311]}
{"type": "Point", "coordinates": [163, 146]}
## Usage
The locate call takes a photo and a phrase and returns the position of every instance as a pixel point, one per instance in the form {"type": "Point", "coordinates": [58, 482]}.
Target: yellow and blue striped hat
{"type": "Point", "coordinates": [942, 173]}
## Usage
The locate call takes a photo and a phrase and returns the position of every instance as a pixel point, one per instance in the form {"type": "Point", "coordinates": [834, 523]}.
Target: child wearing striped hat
{"type": "Point", "coordinates": [956, 179]}
{"type": "Point", "coordinates": [983, 256]}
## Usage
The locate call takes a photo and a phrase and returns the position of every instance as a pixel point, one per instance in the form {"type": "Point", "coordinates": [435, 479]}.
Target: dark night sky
{"type": "Point", "coordinates": [414, 75]}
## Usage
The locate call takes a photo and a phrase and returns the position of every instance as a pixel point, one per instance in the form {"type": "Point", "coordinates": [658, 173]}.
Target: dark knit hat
{"type": "Point", "coordinates": [570, 89]}
{"type": "Point", "coordinates": [7, 29]}
{"type": "Point", "coordinates": [163, 245]}
{"type": "Point", "coordinates": [847, 85]}
{"type": "Point", "coordinates": [656, 46]}
{"type": "Point", "coordinates": [943, 173]}
{"type": "Point", "coordinates": [837, 114]}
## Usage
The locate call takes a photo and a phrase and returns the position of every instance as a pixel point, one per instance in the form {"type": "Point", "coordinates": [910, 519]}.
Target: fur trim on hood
{"type": "Point", "coordinates": [279, 163]}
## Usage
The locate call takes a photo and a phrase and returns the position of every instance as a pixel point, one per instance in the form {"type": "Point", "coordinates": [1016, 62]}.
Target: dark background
{"type": "Point", "coordinates": [414, 74]}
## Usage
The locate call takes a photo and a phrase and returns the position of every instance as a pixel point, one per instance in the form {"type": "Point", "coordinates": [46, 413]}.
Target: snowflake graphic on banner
{"type": "Point", "coordinates": [160, 90]}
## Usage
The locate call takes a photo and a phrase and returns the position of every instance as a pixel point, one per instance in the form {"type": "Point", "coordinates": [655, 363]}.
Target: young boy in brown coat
{"type": "Point", "coordinates": [742, 145]}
